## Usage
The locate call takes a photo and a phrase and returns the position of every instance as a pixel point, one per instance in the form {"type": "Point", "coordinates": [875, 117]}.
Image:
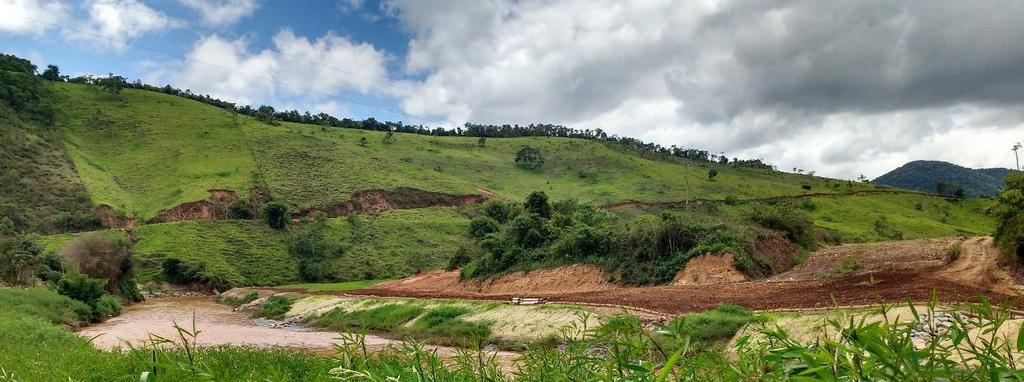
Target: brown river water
{"type": "Point", "coordinates": [218, 325]}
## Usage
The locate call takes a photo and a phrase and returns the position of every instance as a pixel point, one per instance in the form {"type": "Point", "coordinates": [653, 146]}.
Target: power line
{"type": "Point", "coordinates": [259, 77]}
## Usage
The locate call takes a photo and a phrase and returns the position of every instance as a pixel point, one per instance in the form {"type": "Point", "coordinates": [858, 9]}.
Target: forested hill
{"type": "Point", "coordinates": [945, 178]}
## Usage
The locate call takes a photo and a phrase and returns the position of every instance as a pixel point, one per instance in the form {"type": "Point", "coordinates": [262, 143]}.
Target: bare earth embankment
{"type": "Point", "coordinates": [887, 272]}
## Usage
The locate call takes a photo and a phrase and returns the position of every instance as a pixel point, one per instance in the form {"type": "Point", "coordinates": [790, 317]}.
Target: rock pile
{"type": "Point", "coordinates": [929, 326]}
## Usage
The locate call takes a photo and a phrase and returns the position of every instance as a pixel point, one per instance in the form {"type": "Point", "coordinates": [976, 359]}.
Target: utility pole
{"type": "Point", "coordinates": [1016, 147]}
{"type": "Point", "coordinates": [686, 182]}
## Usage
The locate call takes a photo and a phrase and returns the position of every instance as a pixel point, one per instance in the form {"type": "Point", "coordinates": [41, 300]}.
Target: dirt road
{"type": "Point", "coordinates": [978, 266]}
{"type": "Point", "coordinates": [956, 282]}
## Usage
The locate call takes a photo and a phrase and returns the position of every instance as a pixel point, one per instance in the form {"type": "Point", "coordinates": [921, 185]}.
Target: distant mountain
{"type": "Point", "coordinates": [925, 175]}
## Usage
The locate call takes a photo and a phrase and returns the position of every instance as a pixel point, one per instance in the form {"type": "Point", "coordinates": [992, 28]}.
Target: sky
{"type": "Point", "coordinates": [838, 87]}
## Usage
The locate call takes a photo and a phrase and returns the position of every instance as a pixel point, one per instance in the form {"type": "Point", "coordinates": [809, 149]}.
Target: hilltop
{"type": "Point", "coordinates": [925, 176]}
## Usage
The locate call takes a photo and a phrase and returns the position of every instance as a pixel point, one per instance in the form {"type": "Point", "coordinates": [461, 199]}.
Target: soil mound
{"type": "Point", "coordinates": [374, 202]}
{"type": "Point", "coordinates": [978, 265]}
{"type": "Point", "coordinates": [710, 268]}
{"type": "Point", "coordinates": [859, 259]}
{"type": "Point", "coordinates": [215, 207]}
{"type": "Point", "coordinates": [568, 279]}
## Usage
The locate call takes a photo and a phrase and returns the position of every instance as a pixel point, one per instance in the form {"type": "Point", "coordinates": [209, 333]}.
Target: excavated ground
{"type": "Point", "coordinates": [965, 280]}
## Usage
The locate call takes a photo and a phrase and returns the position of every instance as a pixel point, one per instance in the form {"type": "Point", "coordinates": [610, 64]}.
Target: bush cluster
{"type": "Point", "coordinates": [1009, 210]}
{"type": "Point", "coordinates": [645, 250]}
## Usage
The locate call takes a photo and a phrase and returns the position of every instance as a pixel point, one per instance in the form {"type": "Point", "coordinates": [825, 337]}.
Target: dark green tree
{"type": "Point", "coordinates": [481, 226]}
{"type": "Point", "coordinates": [276, 215]}
{"type": "Point", "coordinates": [21, 259]}
{"type": "Point", "coordinates": [712, 174]}
{"type": "Point", "coordinates": [529, 157]}
{"type": "Point", "coordinates": [313, 251]}
{"type": "Point", "coordinates": [52, 73]}
{"type": "Point", "coordinates": [112, 84]}
{"type": "Point", "coordinates": [1009, 211]}
{"type": "Point", "coordinates": [537, 204]}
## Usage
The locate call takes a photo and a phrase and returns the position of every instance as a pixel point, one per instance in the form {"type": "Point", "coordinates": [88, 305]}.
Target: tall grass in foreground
{"type": "Point", "coordinates": [980, 344]}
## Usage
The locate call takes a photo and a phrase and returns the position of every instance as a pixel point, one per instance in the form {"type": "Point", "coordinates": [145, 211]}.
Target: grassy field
{"type": "Point", "coordinates": [310, 166]}
{"type": "Point", "coordinates": [397, 242]}
{"type": "Point", "coordinates": [143, 152]}
{"type": "Point", "coordinates": [854, 217]}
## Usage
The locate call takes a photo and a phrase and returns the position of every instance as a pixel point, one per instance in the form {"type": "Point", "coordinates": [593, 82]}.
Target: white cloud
{"type": "Point", "coordinates": [839, 87]}
{"type": "Point", "coordinates": [225, 69]}
{"type": "Point", "coordinates": [111, 23]}
{"type": "Point", "coordinates": [30, 16]}
{"type": "Point", "coordinates": [297, 68]}
{"type": "Point", "coordinates": [222, 12]}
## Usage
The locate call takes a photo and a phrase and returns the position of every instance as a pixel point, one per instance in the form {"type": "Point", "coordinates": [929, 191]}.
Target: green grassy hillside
{"type": "Point", "coordinates": [311, 166]}
{"type": "Point", "coordinates": [39, 188]}
{"type": "Point", "coordinates": [913, 216]}
{"type": "Point", "coordinates": [142, 152]}
{"type": "Point", "coordinates": [248, 253]}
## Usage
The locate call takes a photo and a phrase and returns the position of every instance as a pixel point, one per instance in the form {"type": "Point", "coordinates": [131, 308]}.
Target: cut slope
{"type": "Point", "coordinates": [858, 259]}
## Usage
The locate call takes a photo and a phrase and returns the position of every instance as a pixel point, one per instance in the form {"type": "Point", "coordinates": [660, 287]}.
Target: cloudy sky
{"type": "Point", "coordinates": [840, 87]}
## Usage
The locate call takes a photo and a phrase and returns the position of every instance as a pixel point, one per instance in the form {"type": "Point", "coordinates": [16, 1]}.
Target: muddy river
{"type": "Point", "coordinates": [217, 323]}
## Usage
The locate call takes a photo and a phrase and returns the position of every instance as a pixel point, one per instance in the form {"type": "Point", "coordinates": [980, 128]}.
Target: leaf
{"type": "Point", "coordinates": [1020, 338]}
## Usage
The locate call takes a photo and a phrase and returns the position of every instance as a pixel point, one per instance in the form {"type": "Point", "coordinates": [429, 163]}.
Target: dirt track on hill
{"type": "Point", "coordinates": [963, 280]}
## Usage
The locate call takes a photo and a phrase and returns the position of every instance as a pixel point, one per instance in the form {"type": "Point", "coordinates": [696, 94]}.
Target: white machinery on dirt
{"type": "Point", "coordinates": [527, 300]}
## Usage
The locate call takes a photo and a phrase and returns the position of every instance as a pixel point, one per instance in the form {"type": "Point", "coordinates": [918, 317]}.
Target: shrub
{"type": "Point", "coordinates": [497, 210]}
{"type": "Point", "coordinates": [529, 158]}
{"type": "Point", "coordinates": [315, 254]}
{"type": "Point", "coordinates": [1009, 210]}
{"type": "Point", "coordinates": [106, 306]}
{"type": "Point", "coordinates": [712, 174]}
{"type": "Point", "coordinates": [275, 307]}
{"type": "Point", "coordinates": [100, 255]}
{"type": "Point", "coordinates": [239, 301]}
{"type": "Point", "coordinates": [276, 215]}
{"type": "Point", "coordinates": [883, 229]}
{"type": "Point", "coordinates": [81, 287]}
{"type": "Point", "coordinates": [462, 257]}
{"type": "Point", "coordinates": [21, 260]}
{"type": "Point", "coordinates": [482, 226]}
{"type": "Point", "coordinates": [796, 224]}
{"type": "Point", "coordinates": [719, 324]}
{"type": "Point", "coordinates": [240, 209]}
{"type": "Point", "coordinates": [180, 272]}
{"type": "Point", "coordinates": [537, 204]}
